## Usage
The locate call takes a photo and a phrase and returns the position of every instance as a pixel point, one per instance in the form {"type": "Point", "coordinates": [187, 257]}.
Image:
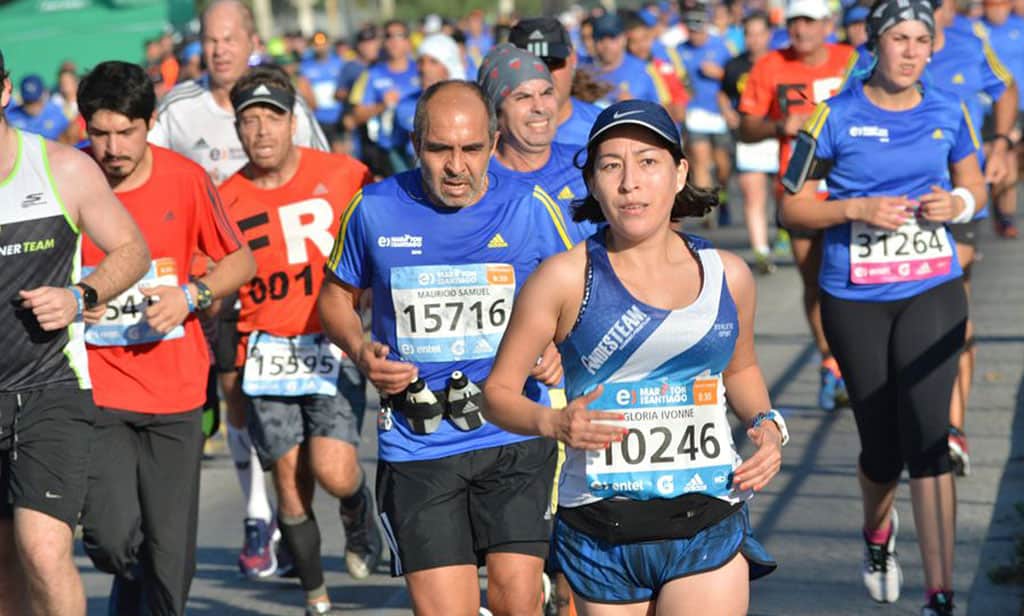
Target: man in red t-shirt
{"type": "Point", "coordinates": [305, 400]}
{"type": "Point", "coordinates": [783, 88]}
{"type": "Point", "coordinates": [147, 356]}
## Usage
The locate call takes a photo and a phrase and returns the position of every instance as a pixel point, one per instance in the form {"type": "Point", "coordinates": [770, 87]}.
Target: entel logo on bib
{"type": "Point", "coordinates": [678, 441]}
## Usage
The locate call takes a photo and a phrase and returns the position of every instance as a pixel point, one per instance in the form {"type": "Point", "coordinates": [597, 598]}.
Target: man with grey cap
{"type": "Point", "coordinates": [445, 248]}
{"type": "Point", "coordinates": [547, 38]}
{"type": "Point", "coordinates": [521, 90]}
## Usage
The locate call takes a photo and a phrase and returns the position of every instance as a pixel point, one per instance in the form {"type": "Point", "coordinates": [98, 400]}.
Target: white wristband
{"type": "Point", "coordinates": [969, 205]}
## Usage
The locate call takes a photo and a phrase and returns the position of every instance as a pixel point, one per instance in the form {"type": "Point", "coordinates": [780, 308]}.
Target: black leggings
{"type": "Point", "coordinates": [899, 360]}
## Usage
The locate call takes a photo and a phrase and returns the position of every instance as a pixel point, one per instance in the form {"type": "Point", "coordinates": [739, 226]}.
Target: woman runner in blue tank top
{"type": "Point", "coordinates": [899, 158]}
{"type": "Point", "coordinates": [655, 329]}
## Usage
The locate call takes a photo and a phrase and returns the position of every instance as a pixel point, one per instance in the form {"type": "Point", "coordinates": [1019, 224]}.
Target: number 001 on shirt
{"type": "Point", "coordinates": [678, 441]}
{"type": "Point", "coordinates": [915, 251]}
{"type": "Point", "coordinates": [451, 312]}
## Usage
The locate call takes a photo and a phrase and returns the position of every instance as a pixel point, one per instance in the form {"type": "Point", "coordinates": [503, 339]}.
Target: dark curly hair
{"type": "Point", "coordinates": [690, 202]}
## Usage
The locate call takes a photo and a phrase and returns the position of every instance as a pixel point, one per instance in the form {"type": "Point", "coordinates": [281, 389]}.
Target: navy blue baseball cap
{"type": "Point", "coordinates": [607, 26]}
{"type": "Point", "coordinates": [32, 88]}
{"type": "Point", "coordinates": [855, 13]}
{"type": "Point", "coordinates": [651, 116]}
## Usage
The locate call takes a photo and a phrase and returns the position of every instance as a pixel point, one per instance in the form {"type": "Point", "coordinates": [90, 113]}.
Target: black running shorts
{"type": "Point", "coordinates": [454, 510]}
{"type": "Point", "coordinates": [45, 436]}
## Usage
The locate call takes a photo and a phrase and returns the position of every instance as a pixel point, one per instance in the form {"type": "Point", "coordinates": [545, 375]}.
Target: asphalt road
{"type": "Point", "coordinates": [809, 517]}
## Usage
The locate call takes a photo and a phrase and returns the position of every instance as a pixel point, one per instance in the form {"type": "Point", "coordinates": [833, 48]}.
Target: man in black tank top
{"type": "Point", "coordinates": [49, 195]}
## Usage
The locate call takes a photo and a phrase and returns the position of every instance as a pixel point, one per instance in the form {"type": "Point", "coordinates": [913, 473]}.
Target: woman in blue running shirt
{"type": "Point", "coordinates": [900, 163]}
{"type": "Point", "coordinates": [655, 329]}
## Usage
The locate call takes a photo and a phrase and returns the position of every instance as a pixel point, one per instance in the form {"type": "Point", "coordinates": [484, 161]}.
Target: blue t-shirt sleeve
{"type": "Point", "coordinates": [363, 92]}
{"type": "Point", "coordinates": [966, 138]}
{"type": "Point", "coordinates": [348, 260]}
{"type": "Point", "coordinates": [549, 224]}
{"type": "Point", "coordinates": [994, 76]}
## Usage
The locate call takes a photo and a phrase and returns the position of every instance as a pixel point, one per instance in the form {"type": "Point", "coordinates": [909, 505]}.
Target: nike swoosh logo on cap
{"type": "Point", "coordinates": [622, 114]}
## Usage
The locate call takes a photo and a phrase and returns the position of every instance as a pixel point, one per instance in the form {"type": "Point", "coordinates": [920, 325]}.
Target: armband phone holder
{"type": "Point", "coordinates": [801, 162]}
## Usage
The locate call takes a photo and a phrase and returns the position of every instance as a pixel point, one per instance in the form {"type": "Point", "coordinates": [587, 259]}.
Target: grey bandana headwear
{"type": "Point", "coordinates": [887, 13]}
{"type": "Point", "coordinates": [505, 67]}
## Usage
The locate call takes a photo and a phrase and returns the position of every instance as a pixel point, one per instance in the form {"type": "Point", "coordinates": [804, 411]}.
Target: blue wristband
{"type": "Point", "coordinates": [188, 298]}
{"type": "Point", "coordinates": [78, 299]}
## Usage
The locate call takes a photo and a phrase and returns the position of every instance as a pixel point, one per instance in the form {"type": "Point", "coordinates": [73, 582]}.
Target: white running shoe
{"type": "Point", "coordinates": [881, 571]}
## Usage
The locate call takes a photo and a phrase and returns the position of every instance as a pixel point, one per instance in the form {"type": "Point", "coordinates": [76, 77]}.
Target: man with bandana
{"type": "Point", "coordinates": [527, 123]}
{"type": "Point", "coordinates": [445, 248]}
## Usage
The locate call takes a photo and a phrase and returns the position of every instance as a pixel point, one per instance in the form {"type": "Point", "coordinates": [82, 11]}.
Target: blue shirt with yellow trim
{"type": "Point", "coordinates": [878, 152]}
{"type": "Point", "coordinates": [632, 78]}
{"type": "Point", "coordinates": [370, 89]}
{"type": "Point", "coordinates": [576, 130]}
{"type": "Point", "coordinates": [1007, 39]}
{"type": "Point", "coordinates": [561, 180]}
{"type": "Point", "coordinates": [443, 281]}
{"type": "Point", "coordinates": [705, 89]}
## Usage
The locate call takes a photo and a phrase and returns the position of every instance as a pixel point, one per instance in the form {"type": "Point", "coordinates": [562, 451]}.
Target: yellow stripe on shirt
{"type": "Point", "coordinates": [659, 85]}
{"type": "Point", "coordinates": [817, 120]}
{"type": "Point", "coordinates": [996, 65]}
{"type": "Point", "coordinates": [358, 91]}
{"type": "Point", "coordinates": [339, 241]}
{"type": "Point", "coordinates": [970, 126]}
{"type": "Point", "coordinates": [555, 213]}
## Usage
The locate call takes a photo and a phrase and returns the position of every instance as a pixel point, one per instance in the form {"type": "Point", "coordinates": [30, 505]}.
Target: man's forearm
{"type": "Point", "coordinates": [119, 269]}
{"type": "Point", "coordinates": [231, 272]}
{"type": "Point", "coordinates": [339, 318]}
{"type": "Point", "coordinates": [363, 113]}
{"type": "Point", "coordinates": [754, 129]}
{"type": "Point", "coordinates": [1004, 111]}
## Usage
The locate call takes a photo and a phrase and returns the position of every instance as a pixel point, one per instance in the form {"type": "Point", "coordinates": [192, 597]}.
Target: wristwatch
{"type": "Point", "coordinates": [775, 416]}
{"type": "Point", "coordinates": [89, 296]}
{"type": "Point", "coordinates": [204, 296]}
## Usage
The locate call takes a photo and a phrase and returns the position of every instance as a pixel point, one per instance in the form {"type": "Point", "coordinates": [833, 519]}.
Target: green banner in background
{"type": "Point", "coordinates": [37, 35]}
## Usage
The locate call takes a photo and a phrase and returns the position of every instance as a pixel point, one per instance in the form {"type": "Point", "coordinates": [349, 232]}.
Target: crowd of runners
{"type": "Point", "coordinates": [502, 229]}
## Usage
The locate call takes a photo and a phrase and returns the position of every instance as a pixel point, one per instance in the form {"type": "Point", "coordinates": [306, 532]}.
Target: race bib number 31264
{"type": "Point", "coordinates": [678, 441]}
{"type": "Point", "coordinates": [451, 312]}
{"type": "Point", "coordinates": [915, 251]}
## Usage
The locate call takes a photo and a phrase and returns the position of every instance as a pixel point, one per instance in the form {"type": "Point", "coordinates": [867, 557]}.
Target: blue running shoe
{"type": "Point", "coordinates": [258, 558]}
{"type": "Point", "coordinates": [827, 393]}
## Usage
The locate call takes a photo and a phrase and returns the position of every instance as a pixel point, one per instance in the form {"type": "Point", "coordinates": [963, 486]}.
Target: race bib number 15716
{"type": "Point", "coordinates": [451, 313]}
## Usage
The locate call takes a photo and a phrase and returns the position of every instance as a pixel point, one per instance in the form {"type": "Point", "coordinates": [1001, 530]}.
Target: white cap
{"type": "Point", "coordinates": [811, 9]}
{"type": "Point", "coordinates": [432, 24]}
{"type": "Point", "coordinates": [443, 48]}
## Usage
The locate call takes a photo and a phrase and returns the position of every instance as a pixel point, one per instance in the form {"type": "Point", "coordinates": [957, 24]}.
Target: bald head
{"type": "Point", "coordinates": [234, 10]}
{"type": "Point", "coordinates": [440, 99]}
{"type": "Point", "coordinates": [228, 41]}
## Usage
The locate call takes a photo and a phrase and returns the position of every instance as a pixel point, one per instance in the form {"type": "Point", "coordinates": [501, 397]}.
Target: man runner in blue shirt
{"type": "Point", "coordinates": [444, 248]}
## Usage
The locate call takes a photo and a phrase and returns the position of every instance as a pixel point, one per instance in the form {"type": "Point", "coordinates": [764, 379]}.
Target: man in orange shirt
{"type": "Point", "coordinates": [304, 400]}
{"type": "Point", "coordinates": [783, 88]}
{"type": "Point", "coordinates": [147, 356]}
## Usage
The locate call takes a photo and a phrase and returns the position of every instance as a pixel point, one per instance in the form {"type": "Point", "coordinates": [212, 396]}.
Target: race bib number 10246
{"type": "Point", "coordinates": [451, 312]}
{"type": "Point", "coordinates": [678, 441]}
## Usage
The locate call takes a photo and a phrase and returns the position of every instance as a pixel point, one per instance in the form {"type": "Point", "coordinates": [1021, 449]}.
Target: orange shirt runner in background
{"type": "Point", "coordinates": [290, 231]}
{"type": "Point", "coordinates": [180, 213]}
{"type": "Point", "coordinates": [781, 85]}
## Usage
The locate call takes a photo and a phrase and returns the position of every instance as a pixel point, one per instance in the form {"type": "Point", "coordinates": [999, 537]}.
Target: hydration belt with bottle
{"type": "Point", "coordinates": [460, 402]}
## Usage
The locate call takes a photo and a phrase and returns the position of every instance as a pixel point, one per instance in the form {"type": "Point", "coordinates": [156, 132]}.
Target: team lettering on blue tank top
{"type": "Point", "coordinates": [662, 369]}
